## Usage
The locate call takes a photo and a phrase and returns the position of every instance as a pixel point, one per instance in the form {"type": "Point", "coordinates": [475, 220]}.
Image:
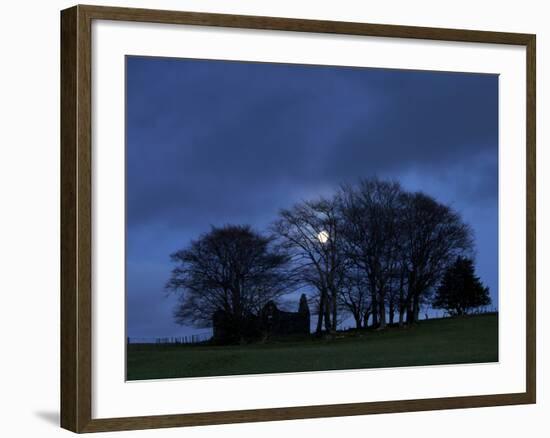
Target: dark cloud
{"type": "Point", "coordinates": [214, 142]}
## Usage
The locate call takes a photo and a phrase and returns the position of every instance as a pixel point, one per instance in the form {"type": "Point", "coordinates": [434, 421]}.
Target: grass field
{"type": "Point", "coordinates": [471, 339]}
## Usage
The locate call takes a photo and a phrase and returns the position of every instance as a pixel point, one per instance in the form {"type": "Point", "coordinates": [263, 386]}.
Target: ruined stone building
{"type": "Point", "coordinates": [270, 322]}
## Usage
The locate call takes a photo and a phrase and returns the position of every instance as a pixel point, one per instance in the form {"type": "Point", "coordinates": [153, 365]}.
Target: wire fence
{"type": "Point", "coordinates": [198, 338]}
{"type": "Point", "coordinates": [188, 339]}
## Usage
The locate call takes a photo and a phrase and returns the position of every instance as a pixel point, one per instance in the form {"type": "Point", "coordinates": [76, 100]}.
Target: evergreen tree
{"type": "Point", "coordinates": [461, 290]}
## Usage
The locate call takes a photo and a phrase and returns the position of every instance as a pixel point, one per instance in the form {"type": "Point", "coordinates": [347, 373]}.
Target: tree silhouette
{"type": "Point", "coordinates": [231, 269]}
{"type": "Point", "coordinates": [433, 235]}
{"type": "Point", "coordinates": [310, 232]}
{"type": "Point", "coordinates": [371, 229]}
{"type": "Point", "coordinates": [355, 298]}
{"type": "Point", "coordinates": [461, 290]}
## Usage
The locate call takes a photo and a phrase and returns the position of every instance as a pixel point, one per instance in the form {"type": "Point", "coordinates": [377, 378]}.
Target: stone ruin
{"type": "Point", "coordinates": [270, 322]}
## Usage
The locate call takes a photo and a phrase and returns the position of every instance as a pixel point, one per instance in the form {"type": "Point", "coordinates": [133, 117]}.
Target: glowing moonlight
{"type": "Point", "coordinates": [322, 236]}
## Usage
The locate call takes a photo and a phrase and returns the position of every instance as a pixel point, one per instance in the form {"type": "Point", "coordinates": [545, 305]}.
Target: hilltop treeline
{"type": "Point", "coordinates": [372, 250]}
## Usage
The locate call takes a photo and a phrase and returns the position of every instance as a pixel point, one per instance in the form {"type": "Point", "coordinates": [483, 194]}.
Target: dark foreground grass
{"type": "Point", "coordinates": [471, 339]}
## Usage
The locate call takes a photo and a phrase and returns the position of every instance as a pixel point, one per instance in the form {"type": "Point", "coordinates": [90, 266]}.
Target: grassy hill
{"type": "Point", "coordinates": [471, 339]}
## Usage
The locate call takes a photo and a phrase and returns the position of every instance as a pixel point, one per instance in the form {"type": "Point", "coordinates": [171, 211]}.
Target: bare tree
{"type": "Point", "coordinates": [433, 236]}
{"type": "Point", "coordinates": [310, 232]}
{"type": "Point", "coordinates": [233, 269]}
{"type": "Point", "coordinates": [371, 218]}
{"type": "Point", "coordinates": [355, 298]}
{"type": "Point", "coordinates": [402, 297]}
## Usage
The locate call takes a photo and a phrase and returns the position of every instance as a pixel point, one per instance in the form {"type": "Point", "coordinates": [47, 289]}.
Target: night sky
{"type": "Point", "coordinates": [218, 142]}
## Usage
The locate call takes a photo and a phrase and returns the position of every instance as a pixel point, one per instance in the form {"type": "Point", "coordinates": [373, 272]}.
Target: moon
{"type": "Point", "coordinates": [322, 236]}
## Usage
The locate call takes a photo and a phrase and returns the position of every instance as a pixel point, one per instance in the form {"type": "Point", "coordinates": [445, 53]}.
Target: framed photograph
{"type": "Point", "coordinates": [271, 218]}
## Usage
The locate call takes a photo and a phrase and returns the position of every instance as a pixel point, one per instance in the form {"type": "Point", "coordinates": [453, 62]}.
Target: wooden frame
{"type": "Point", "coordinates": [76, 318]}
